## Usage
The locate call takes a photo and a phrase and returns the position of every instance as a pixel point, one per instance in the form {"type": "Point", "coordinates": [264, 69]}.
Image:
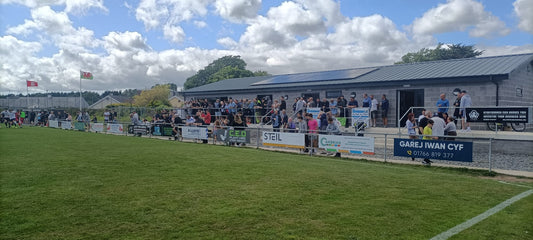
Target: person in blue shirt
{"type": "Point", "coordinates": [443, 104]}
{"type": "Point", "coordinates": [367, 102]}
{"type": "Point", "coordinates": [384, 109]}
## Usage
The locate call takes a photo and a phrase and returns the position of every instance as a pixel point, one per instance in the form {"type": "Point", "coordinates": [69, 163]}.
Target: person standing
{"type": "Point", "coordinates": [443, 105]}
{"type": "Point", "coordinates": [373, 109]}
{"type": "Point", "coordinates": [438, 127]}
{"type": "Point", "coordinates": [107, 114]}
{"type": "Point", "coordinates": [341, 104]}
{"type": "Point", "coordinates": [366, 101]}
{"type": "Point", "coordinates": [333, 107]}
{"type": "Point", "coordinates": [457, 105]}
{"type": "Point", "coordinates": [428, 135]}
{"type": "Point", "coordinates": [282, 104]}
{"type": "Point", "coordinates": [466, 101]}
{"type": "Point", "coordinates": [385, 109]}
{"type": "Point", "coordinates": [313, 127]}
{"type": "Point", "coordinates": [410, 124]}
{"type": "Point", "coordinates": [276, 121]}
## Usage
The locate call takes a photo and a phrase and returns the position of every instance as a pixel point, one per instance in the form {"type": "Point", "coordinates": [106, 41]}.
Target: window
{"type": "Point", "coordinates": [333, 94]}
{"type": "Point", "coordinates": [519, 92]}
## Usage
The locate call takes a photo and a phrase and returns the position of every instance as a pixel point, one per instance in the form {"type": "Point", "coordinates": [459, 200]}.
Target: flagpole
{"type": "Point", "coordinates": [80, 90]}
{"type": "Point", "coordinates": [27, 96]}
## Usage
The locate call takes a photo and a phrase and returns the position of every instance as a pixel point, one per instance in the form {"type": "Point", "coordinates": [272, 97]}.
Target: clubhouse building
{"type": "Point", "coordinates": [490, 81]}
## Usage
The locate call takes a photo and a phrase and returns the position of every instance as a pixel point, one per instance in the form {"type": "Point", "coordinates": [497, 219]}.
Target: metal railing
{"type": "Point", "coordinates": [489, 153]}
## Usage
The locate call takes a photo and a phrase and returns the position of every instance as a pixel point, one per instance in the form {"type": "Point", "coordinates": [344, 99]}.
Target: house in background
{"type": "Point", "coordinates": [108, 100]}
{"type": "Point", "coordinates": [176, 101]}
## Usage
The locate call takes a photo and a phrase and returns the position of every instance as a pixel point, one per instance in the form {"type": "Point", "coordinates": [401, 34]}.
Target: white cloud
{"type": "Point", "coordinates": [459, 15]}
{"type": "Point", "coordinates": [58, 27]}
{"type": "Point", "coordinates": [295, 36]}
{"type": "Point", "coordinates": [74, 6]}
{"type": "Point", "coordinates": [227, 42]}
{"type": "Point", "coordinates": [169, 14]}
{"type": "Point", "coordinates": [524, 10]}
{"type": "Point", "coordinates": [237, 10]}
{"type": "Point", "coordinates": [505, 50]}
{"type": "Point", "coordinates": [17, 59]}
{"type": "Point", "coordinates": [174, 33]}
{"type": "Point", "coordinates": [200, 24]}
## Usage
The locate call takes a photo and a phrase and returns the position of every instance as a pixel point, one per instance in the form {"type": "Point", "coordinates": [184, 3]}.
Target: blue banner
{"type": "Point", "coordinates": [433, 149]}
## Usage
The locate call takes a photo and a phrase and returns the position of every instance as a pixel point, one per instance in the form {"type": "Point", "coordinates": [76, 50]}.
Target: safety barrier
{"type": "Point", "coordinates": [463, 151]}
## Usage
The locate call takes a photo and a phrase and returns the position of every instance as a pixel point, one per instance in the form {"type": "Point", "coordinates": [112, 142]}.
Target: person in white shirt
{"type": "Point", "coordinates": [438, 127]}
{"type": "Point", "coordinates": [373, 110]}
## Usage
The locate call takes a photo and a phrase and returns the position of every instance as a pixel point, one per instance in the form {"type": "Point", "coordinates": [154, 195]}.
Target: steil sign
{"type": "Point", "coordinates": [280, 139]}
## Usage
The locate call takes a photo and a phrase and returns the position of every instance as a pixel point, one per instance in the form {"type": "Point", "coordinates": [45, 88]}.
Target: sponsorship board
{"type": "Point", "coordinates": [138, 129]}
{"type": "Point", "coordinates": [115, 128]}
{"type": "Point", "coordinates": [53, 124]}
{"type": "Point", "coordinates": [194, 133]}
{"type": "Point", "coordinates": [233, 136]}
{"type": "Point", "coordinates": [162, 130]}
{"type": "Point", "coordinates": [97, 127]}
{"type": "Point", "coordinates": [360, 115]}
{"type": "Point", "coordinates": [507, 114]}
{"type": "Point", "coordinates": [314, 111]}
{"type": "Point", "coordinates": [79, 126]}
{"type": "Point", "coordinates": [281, 139]}
{"type": "Point", "coordinates": [433, 149]}
{"type": "Point", "coordinates": [347, 144]}
{"type": "Point", "coordinates": [66, 125]}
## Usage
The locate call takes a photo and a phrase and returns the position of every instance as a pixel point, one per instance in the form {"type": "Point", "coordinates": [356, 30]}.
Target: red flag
{"type": "Point", "coordinates": [86, 75]}
{"type": "Point", "coordinates": [31, 84]}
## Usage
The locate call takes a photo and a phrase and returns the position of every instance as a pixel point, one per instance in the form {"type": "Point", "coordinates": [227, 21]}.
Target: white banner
{"type": "Point", "coordinates": [53, 124]}
{"type": "Point", "coordinates": [281, 139]}
{"type": "Point", "coordinates": [66, 125]}
{"type": "Point", "coordinates": [97, 127]}
{"type": "Point", "coordinates": [115, 128]}
{"type": "Point", "coordinates": [360, 115]}
{"type": "Point", "coordinates": [347, 144]}
{"type": "Point", "coordinates": [194, 133]}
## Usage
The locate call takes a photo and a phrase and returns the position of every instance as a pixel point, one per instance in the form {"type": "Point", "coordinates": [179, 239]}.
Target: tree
{"type": "Point", "coordinates": [155, 97]}
{"type": "Point", "coordinates": [441, 52]}
{"type": "Point", "coordinates": [171, 86]}
{"type": "Point", "coordinates": [226, 67]}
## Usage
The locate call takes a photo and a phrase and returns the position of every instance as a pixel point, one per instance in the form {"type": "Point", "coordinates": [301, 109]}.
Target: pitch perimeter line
{"type": "Point", "coordinates": [457, 229]}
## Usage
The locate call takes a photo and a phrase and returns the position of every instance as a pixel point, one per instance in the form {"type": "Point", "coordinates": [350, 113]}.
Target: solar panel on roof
{"type": "Point", "coordinates": [315, 76]}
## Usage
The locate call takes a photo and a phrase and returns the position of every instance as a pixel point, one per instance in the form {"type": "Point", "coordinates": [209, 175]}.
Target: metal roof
{"type": "Point", "coordinates": [446, 69]}
{"type": "Point", "coordinates": [316, 76]}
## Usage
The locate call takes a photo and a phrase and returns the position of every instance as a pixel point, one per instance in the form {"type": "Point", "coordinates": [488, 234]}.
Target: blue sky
{"type": "Point", "coordinates": [136, 44]}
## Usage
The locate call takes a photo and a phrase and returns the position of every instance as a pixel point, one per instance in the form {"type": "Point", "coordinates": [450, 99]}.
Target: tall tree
{"type": "Point", "coordinates": [441, 52]}
{"type": "Point", "coordinates": [226, 67]}
{"type": "Point", "coordinates": [155, 97]}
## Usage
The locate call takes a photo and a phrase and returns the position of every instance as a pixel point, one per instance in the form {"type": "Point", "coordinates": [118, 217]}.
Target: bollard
{"type": "Point", "coordinates": [257, 138]}
{"type": "Point", "coordinates": [490, 155]}
{"type": "Point", "coordinates": [385, 147]}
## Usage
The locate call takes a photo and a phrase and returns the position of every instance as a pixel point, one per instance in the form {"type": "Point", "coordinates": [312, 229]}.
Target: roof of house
{"type": "Point", "coordinates": [113, 98]}
{"type": "Point", "coordinates": [445, 69]}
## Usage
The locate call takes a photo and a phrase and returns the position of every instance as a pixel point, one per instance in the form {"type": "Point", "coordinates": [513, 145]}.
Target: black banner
{"type": "Point", "coordinates": [507, 114]}
{"type": "Point", "coordinates": [138, 129]}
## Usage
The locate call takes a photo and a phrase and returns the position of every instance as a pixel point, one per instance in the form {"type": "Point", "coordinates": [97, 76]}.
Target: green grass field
{"type": "Point", "coordinates": [58, 184]}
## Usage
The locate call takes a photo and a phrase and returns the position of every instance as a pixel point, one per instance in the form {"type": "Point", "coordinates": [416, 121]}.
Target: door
{"type": "Point", "coordinates": [407, 99]}
{"type": "Point", "coordinates": [315, 96]}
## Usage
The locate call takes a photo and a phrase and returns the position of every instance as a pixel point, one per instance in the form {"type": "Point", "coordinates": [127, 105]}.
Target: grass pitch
{"type": "Point", "coordinates": [58, 184]}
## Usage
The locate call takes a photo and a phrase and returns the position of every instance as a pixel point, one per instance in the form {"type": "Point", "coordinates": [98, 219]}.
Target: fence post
{"type": "Point", "coordinates": [257, 139]}
{"type": "Point", "coordinates": [490, 155]}
{"type": "Point", "coordinates": [385, 147]}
